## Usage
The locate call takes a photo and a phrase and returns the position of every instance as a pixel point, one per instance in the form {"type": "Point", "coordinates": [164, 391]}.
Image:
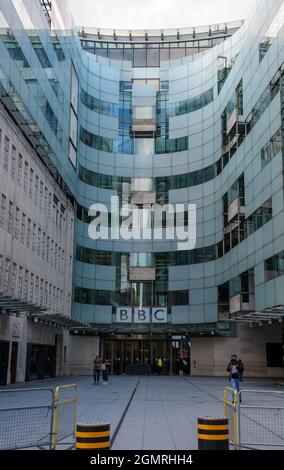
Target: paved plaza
{"type": "Point", "coordinates": [163, 411]}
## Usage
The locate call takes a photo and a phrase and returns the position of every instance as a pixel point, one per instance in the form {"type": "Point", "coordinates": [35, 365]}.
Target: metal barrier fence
{"type": "Point", "coordinates": [23, 427]}
{"type": "Point", "coordinates": [38, 418]}
{"type": "Point", "coordinates": [258, 418]}
{"type": "Point", "coordinates": [230, 407]}
{"type": "Point", "coordinates": [65, 415]}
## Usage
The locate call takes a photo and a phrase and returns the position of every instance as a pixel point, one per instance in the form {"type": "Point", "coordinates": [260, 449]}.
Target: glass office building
{"type": "Point", "coordinates": [188, 116]}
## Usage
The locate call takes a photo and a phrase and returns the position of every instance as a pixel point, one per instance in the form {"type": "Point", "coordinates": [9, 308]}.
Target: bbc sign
{"type": "Point", "coordinates": [141, 315]}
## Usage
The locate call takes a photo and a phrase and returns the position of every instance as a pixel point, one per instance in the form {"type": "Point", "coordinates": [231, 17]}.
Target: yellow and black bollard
{"type": "Point", "coordinates": [93, 436]}
{"type": "Point", "coordinates": [213, 433]}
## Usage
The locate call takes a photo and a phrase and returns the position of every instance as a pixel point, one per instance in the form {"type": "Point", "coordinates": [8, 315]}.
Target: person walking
{"type": "Point", "coordinates": [160, 365]}
{"type": "Point", "coordinates": [104, 368]}
{"type": "Point", "coordinates": [97, 369]}
{"type": "Point", "coordinates": [241, 368]}
{"type": "Point", "coordinates": [235, 371]}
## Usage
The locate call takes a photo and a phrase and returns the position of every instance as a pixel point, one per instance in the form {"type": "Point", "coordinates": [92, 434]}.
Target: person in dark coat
{"type": "Point", "coordinates": [235, 371]}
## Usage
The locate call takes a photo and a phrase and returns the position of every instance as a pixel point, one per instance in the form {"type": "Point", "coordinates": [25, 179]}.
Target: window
{"type": "Point", "coordinates": [140, 56]}
{"type": "Point", "coordinates": [17, 222]}
{"type": "Point", "coordinates": [6, 153]}
{"type": "Point", "coordinates": [271, 149]}
{"type": "Point", "coordinates": [274, 266]}
{"type": "Point", "coordinates": [31, 296]}
{"type": "Point", "coordinates": [41, 292]}
{"type": "Point", "coordinates": [26, 173]}
{"type": "Point", "coordinates": [55, 256]}
{"type": "Point", "coordinates": [23, 228]}
{"type": "Point", "coordinates": [6, 283]}
{"type": "Point", "coordinates": [178, 298]}
{"type": "Point", "coordinates": [271, 33]}
{"type": "Point", "coordinates": [20, 169]}
{"type": "Point", "coordinates": [36, 189]}
{"type": "Point", "coordinates": [31, 183]}
{"type": "Point", "coordinates": [14, 279]}
{"type": "Point", "coordinates": [141, 260]}
{"type": "Point", "coordinates": [34, 238]}
{"type": "Point", "coordinates": [47, 249]}
{"type": "Point", "coordinates": [3, 210]}
{"type": "Point", "coordinates": [49, 205]}
{"type": "Point", "coordinates": [143, 112]}
{"type": "Point", "coordinates": [20, 283]}
{"type": "Point", "coordinates": [13, 165]}
{"type": "Point", "coordinates": [38, 241]}
{"type": "Point", "coordinates": [41, 195]}
{"type": "Point", "coordinates": [43, 245]}
{"type": "Point", "coordinates": [45, 200]}
{"type": "Point", "coordinates": [26, 285]}
{"type": "Point", "coordinates": [29, 229]}
{"type": "Point", "coordinates": [192, 104]}
{"type": "Point", "coordinates": [274, 354]}
{"type": "Point", "coordinates": [37, 290]}
{"type": "Point", "coordinates": [51, 253]}
{"type": "Point", "coordinates": [11, 217]}
{"type": "Point", "coordinates": [1, 272]}
{"type": "Point", "coordinates": [144, 146]}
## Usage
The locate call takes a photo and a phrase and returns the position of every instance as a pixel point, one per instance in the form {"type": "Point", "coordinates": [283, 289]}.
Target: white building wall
{"type": "Point", "coordinates": [36, 246]}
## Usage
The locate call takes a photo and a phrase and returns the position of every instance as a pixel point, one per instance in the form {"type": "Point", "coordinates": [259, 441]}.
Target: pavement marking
{"type": "Point", "coordinates": [123, 415]}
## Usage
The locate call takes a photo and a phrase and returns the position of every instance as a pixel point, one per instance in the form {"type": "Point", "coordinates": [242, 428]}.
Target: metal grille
{"type": "Point", "coordinates": [230, 413]}
{"type": "Point", "coordinates": [256, 422]}
{"type": "Point", "coordinates": [65, 414]}
{"type": "Point", "coordinates": [261, 417]}
{"type": "Point", "coordinates": [26, 426]}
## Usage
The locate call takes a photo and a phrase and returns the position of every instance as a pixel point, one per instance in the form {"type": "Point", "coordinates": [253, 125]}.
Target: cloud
{"type": "Point", "coordinates": [147, 14]}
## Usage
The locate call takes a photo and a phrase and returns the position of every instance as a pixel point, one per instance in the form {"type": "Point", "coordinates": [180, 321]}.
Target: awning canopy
{"type": "Point", "coordinates": [269, 315]}
{"type": "Point", "coordinates": [12, 304]}
{"type": "Point", "coordinates": [59, 320]}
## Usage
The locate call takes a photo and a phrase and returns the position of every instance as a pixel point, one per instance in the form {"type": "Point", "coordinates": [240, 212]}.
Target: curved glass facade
{"type": "Point", "coordinates": [189, 117]}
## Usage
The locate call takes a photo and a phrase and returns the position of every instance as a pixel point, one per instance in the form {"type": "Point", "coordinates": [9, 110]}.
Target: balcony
{"type": "Point", "coordinates": [242, 303]}
{"type": "Point", "coordinates": [142, 274]}
{"type": "Point", "coordinates": [143, 125]}
{"type": "Point", "coordinates": [235, 208]}
{"type": "Point", "coordinates": [143, 197]}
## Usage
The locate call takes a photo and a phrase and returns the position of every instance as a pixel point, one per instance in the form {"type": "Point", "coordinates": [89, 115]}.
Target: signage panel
{"type": "Point", "coordinates": [141, 315]}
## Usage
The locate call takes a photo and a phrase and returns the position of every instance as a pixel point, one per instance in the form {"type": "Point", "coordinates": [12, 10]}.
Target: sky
{"type": "Point", "coordinates": [147, 14]}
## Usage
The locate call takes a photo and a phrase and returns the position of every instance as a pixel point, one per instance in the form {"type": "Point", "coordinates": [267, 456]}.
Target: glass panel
{"type": "Point", "coordinates": [143, 112]}
{"type": "Point", "coordinates": [177, 52]}
{"type": "Point", "coordinates": [142, 260]}
{"type": "Point", "coordinates": [139, 57]}
{"type": "Point", "coordinates": [153, 57]}
{"type": "Point", "coordinates": [144, 146]}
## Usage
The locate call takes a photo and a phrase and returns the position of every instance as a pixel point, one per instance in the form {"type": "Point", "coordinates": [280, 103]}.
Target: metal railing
{"type": "Point", "coordinates": [230, 411]}
{"type": "Point", "coordinates": [256, 418]}
{"type": "Point", "coordinates": [23, 427]}
{"type": "Point", "coordinates": [38, 418]}
{"type": "Point", "coordinates": [65, 415]}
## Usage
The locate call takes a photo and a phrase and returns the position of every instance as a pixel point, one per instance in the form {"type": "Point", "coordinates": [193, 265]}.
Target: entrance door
{"type": "Point", "coordinates": [4, 359]}
{"type": "Point", "coordinates": [117, 357]}
{"type": "Point", "coordinates": [14, 360]}
{"type": "Point", "coordinates": [131, 351]}
{"type": "Point", "coordinates": [142, 352]}
{"type": "Point", "coordinates": [127, 355]}
{"type": "Point", "coordinates": [180, 355]}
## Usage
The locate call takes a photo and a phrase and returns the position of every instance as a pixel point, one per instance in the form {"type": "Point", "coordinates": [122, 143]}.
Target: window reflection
{"type": "Point", "coordinates": [144, 146]}
{"type": "Point", "coordinates": [140, 57]}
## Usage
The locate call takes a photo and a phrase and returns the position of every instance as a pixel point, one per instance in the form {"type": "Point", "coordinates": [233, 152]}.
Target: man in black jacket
{"type": "Point", "coordinates": [235, 371]}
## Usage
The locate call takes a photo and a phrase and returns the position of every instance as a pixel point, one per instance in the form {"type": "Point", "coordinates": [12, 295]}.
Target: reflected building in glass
{"type": "Point", "coordinates": [156, 117]}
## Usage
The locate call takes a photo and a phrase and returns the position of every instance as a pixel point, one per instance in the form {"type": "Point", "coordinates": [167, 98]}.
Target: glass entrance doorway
{"type": "Point", "coordinates": [123, 352]}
